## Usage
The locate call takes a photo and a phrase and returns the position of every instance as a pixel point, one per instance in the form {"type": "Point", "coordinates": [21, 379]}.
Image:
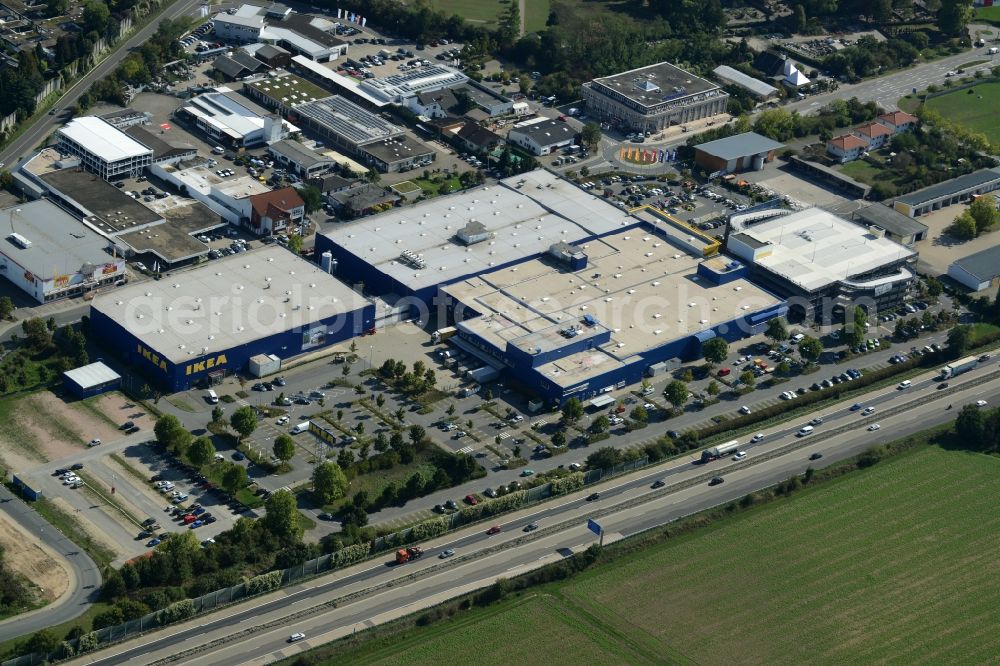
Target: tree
{"type": "Point", "coordinates": [715, 350]}
{"type": "Point", "coordinates": [777, 328]}
{"type": "Point", "coordinates": [170, 433]}
{"type": "Point", "coordinates": [959, 339]}
{"type": "Point", "coordinates": [201, 452]}
{"type": "Point", "coordinates": [713, 388]}
{"type": "Point", "coordinates": [572, 410]}
{"type": "Point", "coordinates": [559, 438]}
{"type": "Point", "coordinates": [6, 307]}
{"type": "Point", "coordinates": [971, 426]}
{"type": "Point", "coordinates": [953, 16]}
{"type": "Point", "coordinates": [42, 642]}
{"type": "Point", "coordinates": [600, 424]}
{"type": "Point", "coordinates": [451, 410]}
{"type": "Point", "coordinates": [36, 333]}
{"type": "Point", "coordinates": [329, 482]}
{"type": "Point", "coordinates": [284, 448]}
{"type": "Point", "coordinates": [417, 434]}
{"type": "Point", "coordinates": [604, 457]}
{"type": "Point", "coordinates": [810, 349]}
{"type": "Point", "coordinates": [311, 196]}
{"type": "Point", "coordinates": [95, 17]}
{"type": "Point", "coordinates": [234, 478]}
{"type": "Point", "coordinates": [639, 414]}
{"type": "Point", "coordinates": [800, 19]}
{"type": "Point", "coordinates": [748, 378]}
{"type": "Point", "coordinates": [217, 414]}
{"type": "Point", "coordinates": [282, 516]}
{"type": "Point", "coordinates": [380, 400]}
{"type": "Point", "coordinates": [244, 421]}
{"type": "Point", "coordinates": [295, 243]}
{"type": "Point", "coordinates": [964, 226]}
{"type": "Point", "coordinates": [346, 458]}
{"type": "Point", "coordinates": [881, 11]}
{"type": "Point", "coordinates": [984, 211]}
{"type": "Point", "coordinates": [590, 135]}
{"type": "Point", "coordinates": [777, 124]}
{"type": "Point", "coordinates": [676, 393]}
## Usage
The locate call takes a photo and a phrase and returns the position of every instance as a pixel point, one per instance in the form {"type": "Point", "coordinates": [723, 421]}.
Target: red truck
{"type": "Point", "coordinates": [404, 555]}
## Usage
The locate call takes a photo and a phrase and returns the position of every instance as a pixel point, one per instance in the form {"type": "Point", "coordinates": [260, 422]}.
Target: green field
{"type": "Point", "coordinates": [987, 15]}
{"type": "Point", "coordinates": [862, 171]}
{"type": "Point", "coordinates": [979, 115]}
{"type": "Point", "coordinates": [893, 564]}
{"type": "Point", "coordinates": [487, 11]}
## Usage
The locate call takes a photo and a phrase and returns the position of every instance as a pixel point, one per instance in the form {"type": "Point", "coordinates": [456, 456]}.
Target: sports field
{"type": "Point", "coordinates": [894, 564]}
{"type": "Point", "coordinates": [979, 115]}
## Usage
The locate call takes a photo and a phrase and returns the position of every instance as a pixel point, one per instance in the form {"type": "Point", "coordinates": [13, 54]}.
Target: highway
{"type": "Point", "coordinates": [257, 631]}
{"type": "Point", "coordinates": [45, 125]}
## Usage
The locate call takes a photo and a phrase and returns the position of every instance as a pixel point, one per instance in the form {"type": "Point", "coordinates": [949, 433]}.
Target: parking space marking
{"type": "Point", "coordinates": [465, 449]}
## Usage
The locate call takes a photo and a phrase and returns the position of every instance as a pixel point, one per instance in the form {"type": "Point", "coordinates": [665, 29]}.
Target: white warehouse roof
{"type": "Point", "coordinates": [105, 141]}
{"type": "Point", "coordinates": [94, 374]}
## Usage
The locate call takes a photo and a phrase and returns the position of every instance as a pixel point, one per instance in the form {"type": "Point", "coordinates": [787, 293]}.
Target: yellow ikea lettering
{"type": "Point", "coordinates": [205, 364]}
{"type": "Point", "coordinates": [152, 357]}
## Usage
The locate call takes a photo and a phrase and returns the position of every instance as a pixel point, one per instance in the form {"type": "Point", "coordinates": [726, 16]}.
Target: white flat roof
{"type": "Point", "coordinates": [813, 248]}
{"type": "Point", "coordinates": [230, 116]}
{"type": "Point", "coordinates": [346, 82]}
{"type": "Point", "coordinates": [525, 215]}
{"type": "Point", "coordinates": [227, 303]}
{"type": "Point", "coordinates": [93, 374]}
{"type": "Point", "coordinates": [103, 140]}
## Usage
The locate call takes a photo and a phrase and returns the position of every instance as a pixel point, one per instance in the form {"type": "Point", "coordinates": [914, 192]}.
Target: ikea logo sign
{"type": "Point", "coordinates": [205, 364]}
{"type": "Point", "coordinates": [152, 357]}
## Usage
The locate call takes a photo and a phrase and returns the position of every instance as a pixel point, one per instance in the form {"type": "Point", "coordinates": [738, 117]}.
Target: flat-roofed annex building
{"type": "Point", "coordinates": [654, 97]}
{"type": "Point", "coordinates": [823, 264]}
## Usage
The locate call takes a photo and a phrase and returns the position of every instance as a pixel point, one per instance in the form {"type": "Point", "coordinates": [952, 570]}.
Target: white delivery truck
{"type": "Point", "coordinates": [300, 427]}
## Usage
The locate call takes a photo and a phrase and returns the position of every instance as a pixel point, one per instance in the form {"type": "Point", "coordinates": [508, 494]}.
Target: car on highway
{"type": "Point", "coordinates": [903, 385]}
{"type": "Point", "coordinates": [297, 636]}
{"type": "Point", "coordinates": [494, 530]}
{"type": "Point", "coordinates": [942, 385]}
{"type": "Point", "coordinates": [873, 427]}
{"type": "Point", "coordinates": [740, 455]}
{"type": "Point", "coordinates": [593, 496]}
{"type": "Point", "coordinates": [867, 411]}
{"type": "Point", "coordinates": [981, 403]}
{"type": "Point", "coordinates": [531, 527]}
{"type": "Point", "coordinates": [716, 480]}
{"type": "Point", "coordinates": [445, 554]}
{"type": "Point", "coordinates": [659, 483]}
{"type": "Point", "coordinates": [756, 438]}
{"type": "Point", "coordinates": [816, 421]}
{"type": "Point", "coordinates": [856, 406]}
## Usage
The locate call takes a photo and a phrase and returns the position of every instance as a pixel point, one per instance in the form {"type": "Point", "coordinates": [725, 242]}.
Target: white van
{"type": "Point", "coordinates": [300, 427]}
{"type": "Point", "coordinates": [797, 338]}
{"type": "Point", "coordinates": [904, 385]}
{"type": "Point", "coordinates": [212, 398]}
{"type": "Point", "coordinates": [218, 150]}
{"type": "Point", "coordinates": [804, 431]}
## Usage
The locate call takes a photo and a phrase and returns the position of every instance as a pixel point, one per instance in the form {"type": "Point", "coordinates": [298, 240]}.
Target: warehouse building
{"type": "Point", "coordinates": [399, 88]}
{"type": "Point", "coordinates": [734, 77]}
{"type": "Point", "coordinates": [103, 148]}
{"type": "Point", "coordinates": [823, 265]}
{"type": "Point", "coordinates": [303, 34]}
{"type": "Point", "coordinates": [282, 92]}
{"type": "Point", "coordinates": [541, 136]}
{"type": "Point", "coordinates": [734, 154]}
{"type": "Point", "coordinates": [603, 313]}
{"type": "Point", "coordinates": [898, 227]}
{"type": "Point", "coordinates": [49, 254]}
{"type": "Point", "coordinates": [232, 121]}
{"type": "Point", "coordinates": [653, 98]}
{"type": "Point", "coordinates": [90, 380]}
{"type": "Point", "coordinates": [295, 157]}
{"type": "Point", "coordinates": [977, 271]}
{"type": "Point", "coordinates": [196, 327]}
{"type": "Point", "coordinates": [949, 192]}
{"type": "Point", "coordinates": [408, 252]}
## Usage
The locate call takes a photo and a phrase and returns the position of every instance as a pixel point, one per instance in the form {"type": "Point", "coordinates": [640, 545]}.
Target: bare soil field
{"type": "Point", "coordinates": [32, 560]}
{"type": "Point", "coordinates": [93, 531]}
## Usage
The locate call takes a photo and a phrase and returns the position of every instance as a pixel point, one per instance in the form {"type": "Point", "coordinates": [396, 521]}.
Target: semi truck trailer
{"type": "Point", "coordinates": [959, 366]}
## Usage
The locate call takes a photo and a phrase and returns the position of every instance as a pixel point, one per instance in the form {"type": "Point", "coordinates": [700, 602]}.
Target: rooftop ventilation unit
{"type": "Point", "coordinates": [409, 258]}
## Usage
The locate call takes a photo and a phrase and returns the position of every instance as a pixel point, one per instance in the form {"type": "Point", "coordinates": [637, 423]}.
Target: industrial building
{"type": "Point", "coordinates": [605, 312]}
{"type": "Point", "coordinates": [49, 254]}
{"type": "Point", "coordinates": [233, 122]}
{"type": "Point", "coordinates": [227, 196]}
{"type": "Point", "coordinates": [399, 88]}
{"type": "Point", "coordinates": [283, 92]}
{"type": "Point", "coordinates": [653, 98]}
{"type": "Point", "coordinates": [755, 87]}
{"type": "Point", "coordinates": [195, 327]}
{"type": "Point", "coordinates": [103, 148]}
{"type": "Point", "coordinates": [309, 36]}
{"type": "Point", "coordinates": [297, 158]}
{"type": "Point", "coordinates": [898, 227]}
{"type": "Point", "coordinates": [977, 271]}
{"type": "Point", "coordinates": [822, 264]}
{"type": "Point", "coordinates": [365, 135]}
{"type": "Point", "coordinates": [949, 192]}
{"type": "Point", "coordinates": [409, 252]}
{"type": "Point", "coordinates": [541, 136]}
{"type": "Point", "coordinates": [733, 154]}
{"type": "Point", "coordinates": [90, 380]}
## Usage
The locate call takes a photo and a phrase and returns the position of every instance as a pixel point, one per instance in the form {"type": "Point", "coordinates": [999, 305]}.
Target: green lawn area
{"type": "Point", "coordinates": [406, 187]}
{"type": "Point", "coordinates": [892, 564]}
{"type": "Point", "coordinates": [987, 15]}
{"type": "Point", "coordinates": [432, 188]}
{"type": "Point", "coordinates": [979, 115]}
{"type": "Point", "coordinates": [862, 171]}
{"type": "Point", "coordinates": [487, 11]}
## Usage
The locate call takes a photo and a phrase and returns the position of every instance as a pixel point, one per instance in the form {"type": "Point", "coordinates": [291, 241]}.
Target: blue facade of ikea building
{"type": "Point", "coordinates": [173, 376]}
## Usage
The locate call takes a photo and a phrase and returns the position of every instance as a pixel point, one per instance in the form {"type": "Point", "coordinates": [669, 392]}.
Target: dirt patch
{"type": "Point", "coordinates": [119, 409]}
{"type": "Point", "coordinates": [33, 561]}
